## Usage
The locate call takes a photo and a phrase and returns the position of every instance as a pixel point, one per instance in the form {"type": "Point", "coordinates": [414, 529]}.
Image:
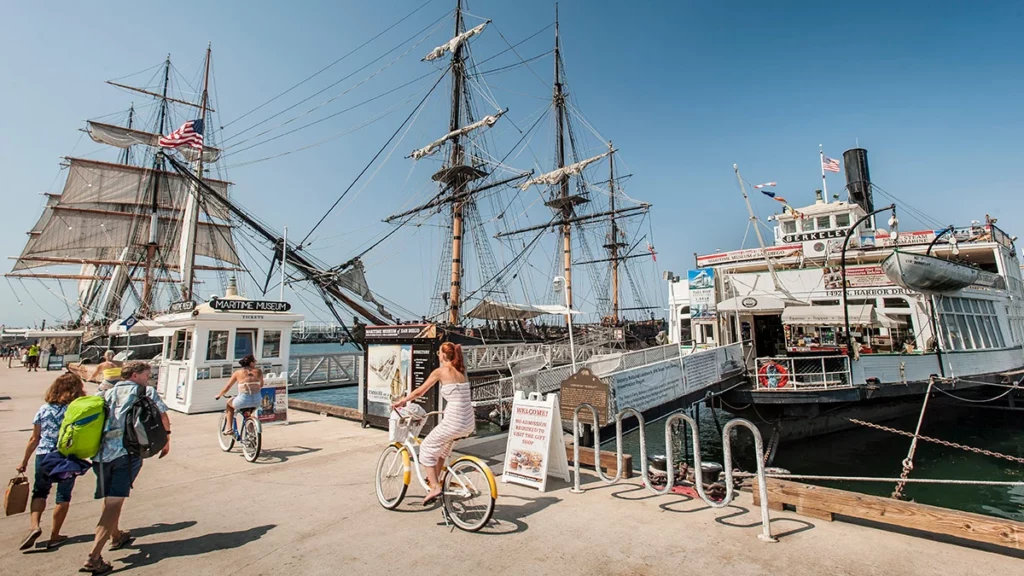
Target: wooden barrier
{"type": "Point", "coordinates": [608, 460]}
{"type": "Point", "coordinates": [822, 503]}
{"type": "Point", "coordinates": [321, 408]}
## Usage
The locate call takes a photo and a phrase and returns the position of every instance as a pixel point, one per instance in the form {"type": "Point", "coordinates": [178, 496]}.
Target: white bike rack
{"type": "Point", "coordinates": [730, 492]}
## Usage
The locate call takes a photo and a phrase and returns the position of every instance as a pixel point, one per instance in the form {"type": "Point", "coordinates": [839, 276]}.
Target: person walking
{"type": "Point", "coordinates": [33, 357]}
{"type": "Point", "coordinates": [114, 467]}
{"type": "Point", "coordinates": [45, 431]}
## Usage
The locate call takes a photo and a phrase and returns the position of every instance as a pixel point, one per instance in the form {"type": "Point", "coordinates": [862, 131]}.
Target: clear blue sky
{"type": "Point", "coordinates": [685, 89]}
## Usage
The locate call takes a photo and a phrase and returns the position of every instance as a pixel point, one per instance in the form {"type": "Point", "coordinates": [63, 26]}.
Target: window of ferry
{"type": "Point", "coordinates": [182, 348]}
{"type": "Point", "coordinates": [245, 343]}
{"type": "Point", "coordinates": [970, 324]}
{"type": "Point", "coordinates": [217, 349]}
{"type": "Point", "coordinates": [824, 222]}
{"type": "Point", "coordinates": [842, 220]}
{"type": "Point", "coordinates": [896, 303]}
{"type": "Point", "coordinates": [271, 343]}
{"type": "Point", "coordinates": [807, 225]}
{"type": "Point", "coordinates": [789, 227]}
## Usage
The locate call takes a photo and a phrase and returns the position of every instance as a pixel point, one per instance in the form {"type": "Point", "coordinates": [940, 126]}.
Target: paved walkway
{"type": "Point", "coordinates": [308, 507]}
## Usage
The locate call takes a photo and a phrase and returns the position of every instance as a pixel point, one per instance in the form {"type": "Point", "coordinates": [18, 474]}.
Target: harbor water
{"type": "Point", "coordinates": [875, 453]}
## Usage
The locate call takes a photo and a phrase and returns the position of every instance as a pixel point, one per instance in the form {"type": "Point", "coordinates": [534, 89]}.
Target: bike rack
{"type": "Point", "coordinates": [730, 491]}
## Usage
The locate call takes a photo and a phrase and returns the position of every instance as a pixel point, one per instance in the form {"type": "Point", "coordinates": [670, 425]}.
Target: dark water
{"type": "Point", "coordinates": [867, 452]}
{"type": "Point", "coordinates": [347, 396]}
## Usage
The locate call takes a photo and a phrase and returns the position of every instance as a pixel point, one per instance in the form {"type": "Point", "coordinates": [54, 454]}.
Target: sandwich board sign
{"type": "Point", "coordinates": [536, 445]}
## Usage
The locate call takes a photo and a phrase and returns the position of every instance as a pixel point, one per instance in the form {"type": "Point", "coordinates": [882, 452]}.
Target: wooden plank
{"type": "Point", "coordinates": [816, 501]}
{"type": "Point", "coordinates": [608, 460]}
{"type": "Point", "coordinates": [814, 513]}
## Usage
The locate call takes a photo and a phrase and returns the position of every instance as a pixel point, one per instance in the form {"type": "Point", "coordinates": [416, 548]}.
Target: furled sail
{"type": "Point", "coordinates": [122, 137]}
{"type": "Point", "coordinates": [354, 280]}
{"type": "Point", "coordinates": [454, 43]}
{"type": "Point", "coordinates": [556, 176]}
{"type": "Point", "coordinates": [433, 146]}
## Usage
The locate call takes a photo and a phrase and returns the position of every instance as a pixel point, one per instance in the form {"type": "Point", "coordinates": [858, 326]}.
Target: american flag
{"type": "Point", "coordinates": [830, 164]}
{"type": "Point", "coordinates": [190, 133]}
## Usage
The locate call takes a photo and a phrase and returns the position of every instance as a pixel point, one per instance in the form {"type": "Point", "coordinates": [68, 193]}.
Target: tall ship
{"type": "Point", "coordinates": [844, 315]}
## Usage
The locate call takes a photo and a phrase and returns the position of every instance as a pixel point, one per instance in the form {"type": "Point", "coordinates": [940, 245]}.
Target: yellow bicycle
{"type": "Point", "coordinates": [468, 488]}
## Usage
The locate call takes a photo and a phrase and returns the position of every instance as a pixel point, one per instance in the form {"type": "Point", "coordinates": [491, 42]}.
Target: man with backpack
{"type": "Point", "coordinates": [136, 427]}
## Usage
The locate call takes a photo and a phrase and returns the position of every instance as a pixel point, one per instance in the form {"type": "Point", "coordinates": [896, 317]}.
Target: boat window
{"type": "Point", "coordinates": [896, 303]}
{"type": "Point", "coordinates": [824, 222]}
{"type": "Point", "coordinates": [807, 225]}
{"type": "Point", "coordinates": [965, 334]}
{"type": "Point", "coordinates": [842, 220]}
{"type": "Point", "coordinates": [217, 349]}
{"type": "Point", "coordinates": [971, 324]}
{"type": "Point", "coordinates": [245, 343]}
{"type": "Point", "coordinates": [182, 348]}
{"type": "Point", "coordinates": [946, 306]}
{"type": "Point", "coordinates": [789, 227]}
{"type": "Point", "coordinates": [957, 306]}
{"type": "Point", "coordinates": [271, 344]}
{"type": "Point", "coordinates": [979, 342]}
{"type": "Point", "coordinates": [824, 302]}
{"type": "Point", "coordinates": [685, 311]}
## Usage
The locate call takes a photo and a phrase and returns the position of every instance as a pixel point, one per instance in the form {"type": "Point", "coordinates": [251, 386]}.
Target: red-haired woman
{"type": "Point", "coordinates": [46, 428]}
{"type": "Point", "coordinates": [458, 421]}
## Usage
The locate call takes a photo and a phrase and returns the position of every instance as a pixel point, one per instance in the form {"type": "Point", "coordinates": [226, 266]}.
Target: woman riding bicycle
{"type": "Point", "coordinates": [250, 380]}
{"type": "Point", "coordinates": [459, 420]}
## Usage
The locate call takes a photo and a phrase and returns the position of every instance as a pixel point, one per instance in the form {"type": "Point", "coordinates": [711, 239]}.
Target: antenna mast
{"type": "Point", "coordinates": [757, 231]}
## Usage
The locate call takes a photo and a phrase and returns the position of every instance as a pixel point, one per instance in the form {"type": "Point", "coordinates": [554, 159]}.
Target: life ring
{"type": "Point", "coordinates": [771, 374]}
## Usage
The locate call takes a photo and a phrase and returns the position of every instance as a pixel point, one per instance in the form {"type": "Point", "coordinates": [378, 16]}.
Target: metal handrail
{"type": "Point", "coordinates": [730, 491]}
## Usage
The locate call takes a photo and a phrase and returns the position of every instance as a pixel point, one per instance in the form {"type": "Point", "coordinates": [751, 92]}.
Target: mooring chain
{"type": "Point", "coordinates": [946, 443]}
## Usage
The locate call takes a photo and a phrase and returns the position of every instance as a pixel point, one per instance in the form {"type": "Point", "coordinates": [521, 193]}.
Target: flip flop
{"type": "Point", "coordinates": [54, 543]}
{"type": "Point", "coordinates": [99, 567]}
{"type": "Point", "coordinates": [125, 539]}
{"type": "Point", "coordinates": [30, 540]}
{"type": "Point", "coordinates": [431, 499]}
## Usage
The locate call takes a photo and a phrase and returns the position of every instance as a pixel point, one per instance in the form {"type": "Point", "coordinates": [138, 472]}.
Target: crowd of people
{"type": "Point", "coordinates": [114, 466]}
{"type": "Point", "coordinates": [27, 355]}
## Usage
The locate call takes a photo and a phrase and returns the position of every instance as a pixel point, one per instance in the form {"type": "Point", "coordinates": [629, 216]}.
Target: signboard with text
{"type": "Point", "coordinates": [701, 283]}
{"type": "Point", "coordinates": [273, 402]}
{"type": "Point", "coordinates": [648, 386]}
{"type": "Point", "coordinates": [225, 305]}
{"type": "Point", "coordinates": [536, 447]}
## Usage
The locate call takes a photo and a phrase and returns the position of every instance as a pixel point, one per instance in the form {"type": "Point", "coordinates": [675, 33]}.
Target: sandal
{"type": "Point", "coordinates": [427, 501]}
{"type": "Point", "coordinates": [54, 543]}
{"type": "Point", "coordinates": [98, 566]}
{"type": "Point", "coordinates": [124, 539]}
{"type": "Point", "coordinates": [30, 540]}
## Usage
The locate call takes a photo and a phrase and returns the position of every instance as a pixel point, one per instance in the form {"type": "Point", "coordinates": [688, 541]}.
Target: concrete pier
{"type": "Point", "coordinates": [307, 506]}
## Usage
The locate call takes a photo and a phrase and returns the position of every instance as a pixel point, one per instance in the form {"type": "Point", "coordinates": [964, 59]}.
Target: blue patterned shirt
{"type": "Point", "coordinates": [49, 418]}
{"type": "Point", "coordinates": [119, 399]}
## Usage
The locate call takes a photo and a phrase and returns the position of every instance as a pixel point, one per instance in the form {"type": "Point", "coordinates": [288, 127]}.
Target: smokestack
{"type": "Point", "coordinates": [858, 178]}
{"type": "Point", "coordinates": [818, 197]}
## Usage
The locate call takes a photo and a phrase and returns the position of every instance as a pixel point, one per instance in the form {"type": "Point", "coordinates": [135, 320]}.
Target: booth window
{"type": "Point", "coordinates": [842, 220]}
{"type": "Point", "coordinates": [245, 343]}
{"type": "Point", "coordinates": [182, 348]}
{"type": "Point", "coordinates": [271, 344]}
{"type": "Point", "coordinates": [218, 347]}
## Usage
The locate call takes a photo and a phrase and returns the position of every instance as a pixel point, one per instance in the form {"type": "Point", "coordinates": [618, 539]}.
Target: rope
{"type": "Point", "coordinates": [945, 443]}
{"type": "Point", "coordinates": [874, 479]}
{"type": "Point", "coordinates": [908, 462]}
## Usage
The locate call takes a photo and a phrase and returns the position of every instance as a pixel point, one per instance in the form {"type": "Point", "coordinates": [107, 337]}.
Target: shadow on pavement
{"type": "Point", "coordinates": [161, 528]}
{"type": "Point", "coordinates": [509, 519]}
{"type": "Point", "coordinates": [146, 554]}
{"type": "Point", "coordinates": [281, 456]}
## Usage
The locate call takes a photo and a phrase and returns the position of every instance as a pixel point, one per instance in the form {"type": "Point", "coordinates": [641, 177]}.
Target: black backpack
{"type": "Point", "coordinates": [144, 433]}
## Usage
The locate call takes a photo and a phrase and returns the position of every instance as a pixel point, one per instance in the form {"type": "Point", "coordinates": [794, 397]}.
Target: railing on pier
{"type": "Point", "coordinates": [324, 370]}
{"type": "Point", "coordinates": [497, 356]}
{"type": "Point", "coordinates": [803, 373]}
{"type": "Point", "coordinates": [305, 331]}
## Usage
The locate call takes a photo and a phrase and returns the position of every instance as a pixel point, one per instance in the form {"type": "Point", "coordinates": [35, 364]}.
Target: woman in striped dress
{"type": "Point", "coordinates": [458, 420]}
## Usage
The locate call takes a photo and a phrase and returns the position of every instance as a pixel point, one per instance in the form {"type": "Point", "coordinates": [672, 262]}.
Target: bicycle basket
{"type": "Point", "coordinates": [414, 417]}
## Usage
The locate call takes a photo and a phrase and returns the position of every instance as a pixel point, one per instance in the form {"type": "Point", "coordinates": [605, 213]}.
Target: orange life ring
{"type": "Point", "coordinates": [771, 374]}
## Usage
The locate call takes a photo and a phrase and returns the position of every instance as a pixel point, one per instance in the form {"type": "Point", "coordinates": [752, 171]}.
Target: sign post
{"type": "Point", "coordinates": [274, 401]}
{"type": "Point", "coordinates": [536, 445]}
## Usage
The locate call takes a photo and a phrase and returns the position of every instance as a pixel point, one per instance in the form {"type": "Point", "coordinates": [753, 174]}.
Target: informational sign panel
{"type": "Point", "coordinates": [584, 387]}
{"type": "Point", "coordinates": [55, 362]}
{"type": "Point", "coordinates": [702, 293]}
{"type": "Point", "coordinates": [536, 447]}
{"type": "Point", "coordinates": [398, 359]}
{"type": "Point", "coordinates": [274, 402]}
{"type": "Point", "coordinates": [648, 386]}
{"type": "Point", "coordinates": [700, 369]}
{"type": "Point", "coordinates": [387, 376]}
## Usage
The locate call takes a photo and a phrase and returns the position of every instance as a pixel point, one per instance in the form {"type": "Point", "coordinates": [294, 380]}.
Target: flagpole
{"type": "Point", "coordinates": [824, 186]}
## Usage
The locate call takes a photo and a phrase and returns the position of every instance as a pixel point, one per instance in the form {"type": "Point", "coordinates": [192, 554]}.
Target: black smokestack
{"type": "Point", "coordinates": [858, 178]}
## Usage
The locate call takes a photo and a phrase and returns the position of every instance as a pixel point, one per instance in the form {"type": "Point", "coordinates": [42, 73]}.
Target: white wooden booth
{"type": "Point", "coordinates": [202, 348]}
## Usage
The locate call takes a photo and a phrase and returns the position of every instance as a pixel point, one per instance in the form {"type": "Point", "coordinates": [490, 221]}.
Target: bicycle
{"type": "Point", "coordinates": [466, 503]}
{"type": "Point", "coordinates": [249, 434]}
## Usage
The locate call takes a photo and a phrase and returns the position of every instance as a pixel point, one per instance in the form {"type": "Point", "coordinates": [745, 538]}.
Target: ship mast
{"type": "Point", "coordinates": [563, 203]}
{"type": "Point", "coordinates": [458, 178]}
{"type": "Point", "coordinates": [154, 217]}
{"type": "Point", "coordinates": [613, 244]}
{"type": "Point", "coordinates": [190, 222]}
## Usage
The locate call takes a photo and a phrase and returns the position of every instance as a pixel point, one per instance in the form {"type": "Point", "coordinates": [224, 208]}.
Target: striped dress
{"type": "Point", "coordinates": [458, 421]}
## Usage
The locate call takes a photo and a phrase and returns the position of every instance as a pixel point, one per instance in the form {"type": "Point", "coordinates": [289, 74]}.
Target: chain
{"type": "Point", "coordinates": [945, 443]}
{"type": "Point", "coordinates": [773, 443]}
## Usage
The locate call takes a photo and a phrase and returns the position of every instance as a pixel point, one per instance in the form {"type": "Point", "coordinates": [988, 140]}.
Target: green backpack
{"type": "Point", "coordinates": [81, 432]}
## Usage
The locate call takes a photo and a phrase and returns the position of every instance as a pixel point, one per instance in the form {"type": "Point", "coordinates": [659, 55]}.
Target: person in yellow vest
{"type": "Point", "coordinates": [33, 357]}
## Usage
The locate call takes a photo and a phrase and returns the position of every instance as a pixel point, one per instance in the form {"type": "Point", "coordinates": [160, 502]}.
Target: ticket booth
{"type": "Point", "coordinates": [203, 343]}
{"type": "Point", "coordinates": [398, 360]}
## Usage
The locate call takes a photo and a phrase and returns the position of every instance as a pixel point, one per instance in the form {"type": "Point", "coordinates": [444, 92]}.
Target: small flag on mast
{"type": "Point", "coordinates": [650, 248]}
{"type": "Point", "coordinates": [759, 186]}
{"type": "Point", "coordinates": [190, 133]}
{"type": "Point", "coordinates": [830, 164]}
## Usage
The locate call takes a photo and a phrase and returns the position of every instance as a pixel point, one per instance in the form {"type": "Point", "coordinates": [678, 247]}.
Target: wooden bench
{"type": "Point", "coordinates": [608, 460]}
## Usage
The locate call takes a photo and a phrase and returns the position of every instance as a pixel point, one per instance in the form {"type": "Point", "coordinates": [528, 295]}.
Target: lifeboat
{"type": "Point", "coordinates": [928, 274]}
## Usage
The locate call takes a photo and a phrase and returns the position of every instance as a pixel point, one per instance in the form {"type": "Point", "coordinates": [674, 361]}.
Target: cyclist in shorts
{"type": "Point", "coordinates": [250, 380]}
{"type": "Point", "coordinates": [110, 369]}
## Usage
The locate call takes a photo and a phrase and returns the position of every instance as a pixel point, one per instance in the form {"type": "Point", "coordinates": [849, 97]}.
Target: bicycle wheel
{"type": "Point", "coordinates": [226, 442]}
{"type": "Point", "coordinates": [252, 439]}
{"type": "Point", "coordinates": [466, 495]}
{"type": "Point", "coordinates": [392, 479]}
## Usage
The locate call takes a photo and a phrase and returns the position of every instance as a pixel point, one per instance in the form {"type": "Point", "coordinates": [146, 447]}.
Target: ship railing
{"type": "Point", "coordinates": [784, 373]}
{"type": "Point", "coordinates": [678, 419]}
{"type": "Point", "coordinates": [324, 370]}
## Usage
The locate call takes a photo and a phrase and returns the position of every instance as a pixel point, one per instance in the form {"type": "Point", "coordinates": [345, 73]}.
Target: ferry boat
{"type": "Point", "coordinates": [840, 318]}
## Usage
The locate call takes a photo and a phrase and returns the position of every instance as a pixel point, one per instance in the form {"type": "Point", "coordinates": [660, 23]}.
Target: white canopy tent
{"type": "Point", "coordinates": [491, 310]}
